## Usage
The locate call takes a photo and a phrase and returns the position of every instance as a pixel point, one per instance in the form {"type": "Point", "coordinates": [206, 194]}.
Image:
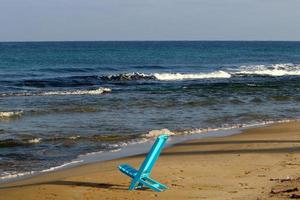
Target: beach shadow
{"type": "Point", "coordinates": [88, 184]}
{"type": "Point", "coordinates": [94, 185]}
{"type": "Point", "coordinates": [236, 151]}
{"type": "Point", "coordinates": [238, 142]}
{"type": "Point", "coordinates": [74, 184]}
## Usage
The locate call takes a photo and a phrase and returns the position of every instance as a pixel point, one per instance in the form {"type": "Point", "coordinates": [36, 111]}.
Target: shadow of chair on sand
{"type": "Point", "coordinates": [87, 184]}
{"type": "Point", "coordinates": [74, 184]}
{"type": "Point", "coordinates": [94, 185]}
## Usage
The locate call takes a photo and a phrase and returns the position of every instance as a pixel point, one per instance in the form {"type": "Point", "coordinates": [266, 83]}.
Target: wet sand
{"type": "Point", "coordinates": [260, 163]}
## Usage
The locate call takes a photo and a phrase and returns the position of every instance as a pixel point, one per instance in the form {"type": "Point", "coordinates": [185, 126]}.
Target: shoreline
{"type": "Point", "coordinates": [132, 149]}
{"type": "Point", "coordinates": [228, 167]}
{"type": "Point", "coordinates": [136, 148]}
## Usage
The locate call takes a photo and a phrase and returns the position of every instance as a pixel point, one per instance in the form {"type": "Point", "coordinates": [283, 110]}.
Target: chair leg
{"type": "Point", "coordinates": [156, 182]}
{"type": "Point", "coordinates": [132, 184]}
{"type": "Point", "coordinates": [140, 185]}
{"type": "Point", "coordinates": [151, 186]}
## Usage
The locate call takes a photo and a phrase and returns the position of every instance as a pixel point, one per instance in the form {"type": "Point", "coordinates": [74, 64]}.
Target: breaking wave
{"type": "Point", "coordinates": [273, 70]}
{"type": "Point", "coordinates": [127, 77]}
{"type": "Point", "coordinates": [10, 114]}
{"type": "Point", "coordinates": [18, 142]}
{"type": "Point", "coordinates": [269, 70]}
{"type": "Point", "coordinates": [13, 175]}
{"type": "Point", "coordinates": [165, 76]}
{"type": "Point", "coordinates": [179, 76]}
{"type": "Point", "coordinates": [97, 91]}
{"type": "Point", "coordinates": [78, 92]}
{"type": "Point", "coordinates": [251, 70]}
{"type": "Point", "coordinates": [15, 142]}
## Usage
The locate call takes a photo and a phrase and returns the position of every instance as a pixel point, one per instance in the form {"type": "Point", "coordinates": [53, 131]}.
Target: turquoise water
{"type": "Point", "coordinates": [59, 100]}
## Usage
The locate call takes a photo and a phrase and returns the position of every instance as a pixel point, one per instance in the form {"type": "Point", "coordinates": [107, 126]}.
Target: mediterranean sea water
{"type": "Point", "coordinates": [59, 100]}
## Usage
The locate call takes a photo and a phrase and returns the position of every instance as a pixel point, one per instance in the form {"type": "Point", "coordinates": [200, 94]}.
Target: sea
{"type": "Point", "coordinates": [63, 100]}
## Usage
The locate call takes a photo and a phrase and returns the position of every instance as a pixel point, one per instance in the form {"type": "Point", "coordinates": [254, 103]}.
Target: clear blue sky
{"type": "Point", "coordinates": [40, 20]}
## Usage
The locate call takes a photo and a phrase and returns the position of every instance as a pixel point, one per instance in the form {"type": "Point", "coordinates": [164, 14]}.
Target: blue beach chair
{"type": "Point", "coordinates": [141, 177]}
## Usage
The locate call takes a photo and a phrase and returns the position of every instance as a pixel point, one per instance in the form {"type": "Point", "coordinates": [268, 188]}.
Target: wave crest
{"type": "Point", "coordinates": [97, 91]}
{"type": "Point", "coordinates": [10, 114]}
{"type": "Point", "coordinates": [135, 76]}
{"type": "Point", "coordinates": [249, 70]}
{"type": "Point", "coordinates": [270, 70]}
{"type": "Point", "coordinates": [78, 92]}
{"type": "Point", "coordinates": [179, 76]}
{"type": "Point", "coordinates": [273, 70]}
{"type": "Point", "coordinates": [127, 77]}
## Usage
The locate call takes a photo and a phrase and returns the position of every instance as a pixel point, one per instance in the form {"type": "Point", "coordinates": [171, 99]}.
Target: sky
{"type": "Point", "coordinates": [97, 20]}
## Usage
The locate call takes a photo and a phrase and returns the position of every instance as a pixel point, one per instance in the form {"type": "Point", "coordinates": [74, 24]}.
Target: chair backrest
{"type": "Point", "coordinates": [152, 156]}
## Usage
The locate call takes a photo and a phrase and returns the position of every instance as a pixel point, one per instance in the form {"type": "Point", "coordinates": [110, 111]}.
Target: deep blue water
{"type": "Point", "coordinates": [59, 100]}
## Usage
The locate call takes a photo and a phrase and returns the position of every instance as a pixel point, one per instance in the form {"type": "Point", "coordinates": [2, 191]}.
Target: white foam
{"type": "Point", "coordinates": [90, 154]}
{"type": "Point", "coordinates": [236, 126]}
{"type": "Point", "coordinates": [35, 140]}
{"type": "Point", "coordinates": [12, 175]}
{"type": "Point", "coordinates": [155, 133]}
{"type": "Point", "coordinates": [10, 114]}
{"type": "Point", "coordinates": [270, 70]}
{"type": "Point", "coordinates": [78, 92]}
{"type": "Point", "coordinates": [261, 70]}
{"type": "Point", "coordinates": [74, 137]}
{"type": "Point", "coordinates": [61, 166]}
{"type": "Point", "coordinates": [179, 76]}
{"type": "Point", "coordinates": [115, 150]}
{"type": "Point", "coordinates": [97, 91]}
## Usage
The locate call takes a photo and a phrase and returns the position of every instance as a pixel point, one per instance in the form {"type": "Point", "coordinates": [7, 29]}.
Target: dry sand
{"type": "Point", "coordinates": [244, 166]}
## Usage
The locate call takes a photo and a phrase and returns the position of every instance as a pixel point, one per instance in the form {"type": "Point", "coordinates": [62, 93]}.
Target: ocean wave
{"type": "Point", "coordinates": [77, 92]}
{"type": "Point", "coordinates": [97, 91]}
{"type": "Point", "coordinates": [180, 76]}
{"type": "Point", "coordinates": [135, 76]}
{"type": "Point", "coordinates": [10, 114]}
{"type": "Point", "coordinates": [235, 126]}
{"type": "Point", "coordinates": [127, 77]}
{"type": "Point", "coordinates": [112, 141]}
{"type": "Point", "coordinates": [269, 70]}
{"type": "Point", "coordinates": [15, 174]}
{"type": "Point", "coordinates": [274, 70]}
{"type": "Point", "coordinates": [6, 143]}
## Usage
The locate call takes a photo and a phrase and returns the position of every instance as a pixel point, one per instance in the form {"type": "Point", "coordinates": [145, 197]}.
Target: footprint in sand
{"type": "Point", "coordinates": [261, 175]}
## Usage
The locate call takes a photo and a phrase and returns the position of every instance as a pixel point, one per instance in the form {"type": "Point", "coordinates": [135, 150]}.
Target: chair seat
{"type": "Point", "coordinates": [128, 170]}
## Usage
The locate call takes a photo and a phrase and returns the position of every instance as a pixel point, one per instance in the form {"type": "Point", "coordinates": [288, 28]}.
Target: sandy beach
{"type": "Point", "coordinates": [260, 163]}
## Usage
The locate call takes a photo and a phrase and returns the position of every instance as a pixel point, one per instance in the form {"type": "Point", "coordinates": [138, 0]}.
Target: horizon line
{"type": "Point", "coordinates": [37, 41]}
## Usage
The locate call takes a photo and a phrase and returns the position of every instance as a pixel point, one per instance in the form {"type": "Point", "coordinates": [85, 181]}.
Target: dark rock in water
{"type": "Point", "coordinates": [10, 143]}
{"type": "Point", "coordinates": [127, 77]}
